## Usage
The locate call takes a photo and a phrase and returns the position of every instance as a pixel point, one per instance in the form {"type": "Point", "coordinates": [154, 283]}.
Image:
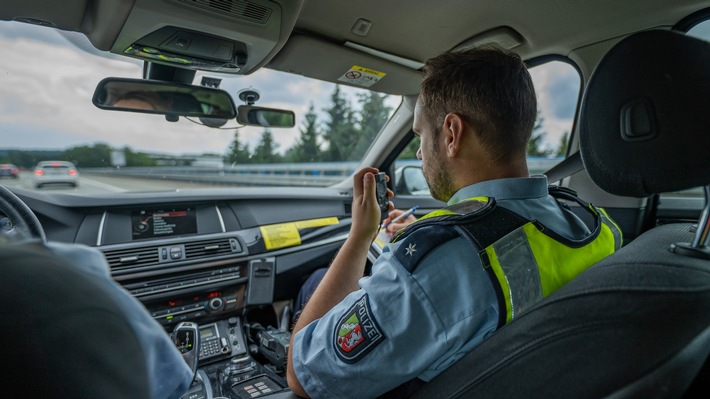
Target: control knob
{"type": "Point", "coordinates": [216, 303]}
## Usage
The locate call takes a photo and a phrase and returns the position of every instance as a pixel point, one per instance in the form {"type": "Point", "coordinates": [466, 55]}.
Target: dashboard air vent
{"type": "Point", "coordinates": [241, 9]}
{"type": "Point", "coordinates": [208, 248]}
{"type": "Point", "coordinates": [120, 259]}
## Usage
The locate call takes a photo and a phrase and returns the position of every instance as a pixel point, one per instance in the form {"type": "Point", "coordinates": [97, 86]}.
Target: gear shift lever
{"type": "Point", "coordinates": [186, 337]}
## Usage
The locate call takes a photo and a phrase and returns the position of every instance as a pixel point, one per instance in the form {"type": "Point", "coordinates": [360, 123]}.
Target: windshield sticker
{"type": "Point", "coordinates": [357, 332]}
{"type": "Point", "coordinates": [280, 235]}
{"type": "Point", "coordinates": [311, 223]}
{"type": "Point", "coordinates": [287, 234]}
{"type": "Point", "coordinates": [360, 76]}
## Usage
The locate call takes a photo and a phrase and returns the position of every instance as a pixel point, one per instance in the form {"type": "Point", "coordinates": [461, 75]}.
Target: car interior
{"type": "Point", "coordinates": [226, 263]}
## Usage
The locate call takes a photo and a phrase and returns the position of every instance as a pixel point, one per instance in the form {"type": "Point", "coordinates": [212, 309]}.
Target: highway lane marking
{"type": "Point", "coordinates": [104, 186]}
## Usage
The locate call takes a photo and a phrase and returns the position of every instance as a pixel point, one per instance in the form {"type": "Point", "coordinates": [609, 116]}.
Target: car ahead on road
{"type": "Point", "coordinates": [217, 140]}
{"type": "Point", "coordinates": [55, 173]}
{"type": "Point", "coordinates": [9, 170]}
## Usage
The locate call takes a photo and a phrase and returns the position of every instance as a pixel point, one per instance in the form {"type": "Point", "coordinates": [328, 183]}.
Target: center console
{"type": "Point", "coordinates": [227, 369]}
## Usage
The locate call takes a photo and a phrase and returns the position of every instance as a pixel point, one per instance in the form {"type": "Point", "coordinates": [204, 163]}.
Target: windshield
{"type": "Point", "coordinates": [47, 115]}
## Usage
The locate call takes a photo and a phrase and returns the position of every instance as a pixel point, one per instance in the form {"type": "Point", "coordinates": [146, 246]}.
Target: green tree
{"type": "Point", "coordinates": [306, 148]}
{"type": "Point", "coordinates": [265, 150]}
{"type": "Point", "coordinates": [410, 151]}
{"type": "Point", "coordinates": [96, 156]}
{"type": "Point", "coordinates": [536, 145]}
{"type": "Point", "coordinates": [562, 146]}
{"type": "Point", "coordinates": [340, 132]}
{"type": "Point", "coordinates": [374, 114]}
{"type": "Point", "coordinates": [137, 158]}
{"type": "Point", "coordinates": [28, 159]}
{"type": "Point", "coordinates": [238, 152]}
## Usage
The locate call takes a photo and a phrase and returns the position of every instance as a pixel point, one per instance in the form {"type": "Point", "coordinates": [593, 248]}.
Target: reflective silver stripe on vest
{"type": "Point", "coordinates": [520, 268]}
{"type": "Point", "coordinates": [614, 229]}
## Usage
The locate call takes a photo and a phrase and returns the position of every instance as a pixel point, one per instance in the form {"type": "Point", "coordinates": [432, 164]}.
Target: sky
{"type": "Point", "coordinates": [47, 84]}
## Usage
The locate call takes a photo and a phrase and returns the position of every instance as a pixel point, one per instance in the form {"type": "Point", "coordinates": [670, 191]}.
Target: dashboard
{"type": "Point", "coordinates": [228, 261]}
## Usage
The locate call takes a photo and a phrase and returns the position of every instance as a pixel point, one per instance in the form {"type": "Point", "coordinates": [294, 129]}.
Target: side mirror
{"type": "Point", "coordinates": [410, 181]}
{"type": "Point", "coordinates": [266, 117]}
{"type": "Point", "coordinates": [165, 98]}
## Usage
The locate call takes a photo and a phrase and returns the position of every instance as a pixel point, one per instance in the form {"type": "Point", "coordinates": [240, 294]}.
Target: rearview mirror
{"type": "Point", "coordinates": [166, 98]}
{"type": "Point", "coordinates": [267, 117]}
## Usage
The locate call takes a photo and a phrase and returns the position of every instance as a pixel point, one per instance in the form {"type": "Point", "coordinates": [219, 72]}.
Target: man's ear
{"type": "Point", "coordinates": [453, 132]}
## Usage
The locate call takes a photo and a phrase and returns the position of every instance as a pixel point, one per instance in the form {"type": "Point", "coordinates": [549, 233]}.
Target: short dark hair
{"type": "Point", "coordinates": [491, 89]}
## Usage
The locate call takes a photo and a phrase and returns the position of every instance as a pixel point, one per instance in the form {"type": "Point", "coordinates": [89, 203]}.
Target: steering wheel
{"type": "Point", "coordinates": [17, 221]}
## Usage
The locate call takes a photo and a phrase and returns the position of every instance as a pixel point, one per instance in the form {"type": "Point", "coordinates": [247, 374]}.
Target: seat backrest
{"type": "Point", "coordinates": [625, 327]}
{"type": "Point", "coordinates": [65, 337]}
{"type": "Point", "coordinates": [637, 324]}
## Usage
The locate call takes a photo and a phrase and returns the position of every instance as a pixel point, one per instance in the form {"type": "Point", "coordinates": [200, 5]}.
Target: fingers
{"type": "Point", "coordinates": [392, 228]}
{"type": "Point", "coordinates": [369, 188]}
{"type": "Point", "coordinates": [395, 227]}
{"type": "Point", "coordinates": [358, 187]}
{"type": "Point", "coordinates": [394, 213]}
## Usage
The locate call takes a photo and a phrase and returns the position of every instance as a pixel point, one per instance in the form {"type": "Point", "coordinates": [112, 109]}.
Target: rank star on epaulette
{"type": "Point", "coordinates": [411, 249]}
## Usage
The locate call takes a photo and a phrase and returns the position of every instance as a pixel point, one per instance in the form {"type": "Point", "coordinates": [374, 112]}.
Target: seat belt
{"type": "Point", "coordinates": [569, 166]}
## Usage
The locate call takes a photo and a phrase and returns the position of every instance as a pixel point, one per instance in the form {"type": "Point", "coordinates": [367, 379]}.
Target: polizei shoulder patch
{"type": "Point", "coordinates": [357, 332]}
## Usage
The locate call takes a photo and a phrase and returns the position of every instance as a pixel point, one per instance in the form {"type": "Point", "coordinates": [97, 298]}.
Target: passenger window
{"type": "Point", "coordinates": [557, 85]}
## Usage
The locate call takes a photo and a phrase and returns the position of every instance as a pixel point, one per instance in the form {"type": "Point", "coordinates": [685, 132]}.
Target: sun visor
{"type": "Point", "coordinates": [231, 36]}
{"type": "Point", "coordinates": [320, 59]}
{"type": "Point", "coordinates": [100, 24]}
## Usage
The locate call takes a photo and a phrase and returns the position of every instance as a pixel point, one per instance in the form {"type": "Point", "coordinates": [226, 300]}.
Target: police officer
{"type": "Point", "coordinates": [448, 281]}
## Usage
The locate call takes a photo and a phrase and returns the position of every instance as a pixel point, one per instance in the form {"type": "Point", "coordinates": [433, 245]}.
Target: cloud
{"type": "Point", "coordinates": [48, 83]}
{"type": "Point", "coordinates": [557, 85]}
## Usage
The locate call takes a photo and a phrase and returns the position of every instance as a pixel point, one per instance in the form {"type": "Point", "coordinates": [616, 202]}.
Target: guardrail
{"type": "Point", "coordinates": [317, 174]}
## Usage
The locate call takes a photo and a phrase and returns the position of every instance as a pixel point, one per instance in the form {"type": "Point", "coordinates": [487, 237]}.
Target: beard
{"type": "Point", "coordinates": [439, 179]}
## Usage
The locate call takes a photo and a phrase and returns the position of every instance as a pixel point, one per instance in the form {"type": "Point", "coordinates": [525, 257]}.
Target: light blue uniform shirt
{"type": "Point", "coordinates": [416, 325]}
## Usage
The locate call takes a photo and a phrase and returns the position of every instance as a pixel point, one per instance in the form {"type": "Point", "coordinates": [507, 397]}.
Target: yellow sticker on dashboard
{"type": "Point", "coordinates": [311, 223]}
{"type": "Point", "coordinates": [280, 235]}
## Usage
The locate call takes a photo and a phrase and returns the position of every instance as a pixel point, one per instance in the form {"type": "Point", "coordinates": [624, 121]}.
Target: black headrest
{"type": "Point", "coordinates": [645, 119]}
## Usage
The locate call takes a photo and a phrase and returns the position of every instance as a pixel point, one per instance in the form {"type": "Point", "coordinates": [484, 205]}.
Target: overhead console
{"type": "Point", "coordinates": [185, 48]}
{"type": "Point", "coordinates": [230, 36]}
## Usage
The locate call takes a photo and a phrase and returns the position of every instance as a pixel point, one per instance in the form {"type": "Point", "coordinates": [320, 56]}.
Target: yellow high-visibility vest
{"type": "Point", "coordinates": [525, 260]}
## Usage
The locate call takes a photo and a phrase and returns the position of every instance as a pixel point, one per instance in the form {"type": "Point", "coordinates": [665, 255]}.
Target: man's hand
{"type": "Point", "coordinates": [393, 227]}
{"type": "Point", "coordinates": [366, 212]}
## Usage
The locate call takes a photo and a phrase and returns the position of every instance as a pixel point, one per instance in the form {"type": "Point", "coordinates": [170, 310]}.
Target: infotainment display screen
{"type": "Point", "coordinates": [152, 223]}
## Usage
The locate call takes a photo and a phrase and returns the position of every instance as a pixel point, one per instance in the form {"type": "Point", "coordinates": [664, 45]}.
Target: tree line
{"type": "Point", "coordinates": [88, 156]}
{"type": "Point", "coordinates": [344, 135]}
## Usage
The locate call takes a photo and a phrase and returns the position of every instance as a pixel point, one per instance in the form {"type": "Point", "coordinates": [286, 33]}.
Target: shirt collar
{"type": "Point", "coordinates": [504, 189]}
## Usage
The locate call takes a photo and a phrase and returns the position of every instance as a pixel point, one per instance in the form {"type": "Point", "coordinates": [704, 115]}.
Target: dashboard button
{"type": "Point", "coordinates": [175, 253]}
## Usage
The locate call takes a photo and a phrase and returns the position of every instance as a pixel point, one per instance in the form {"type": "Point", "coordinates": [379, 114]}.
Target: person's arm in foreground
{"type": "Point", "coordinates": [347, 267]}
